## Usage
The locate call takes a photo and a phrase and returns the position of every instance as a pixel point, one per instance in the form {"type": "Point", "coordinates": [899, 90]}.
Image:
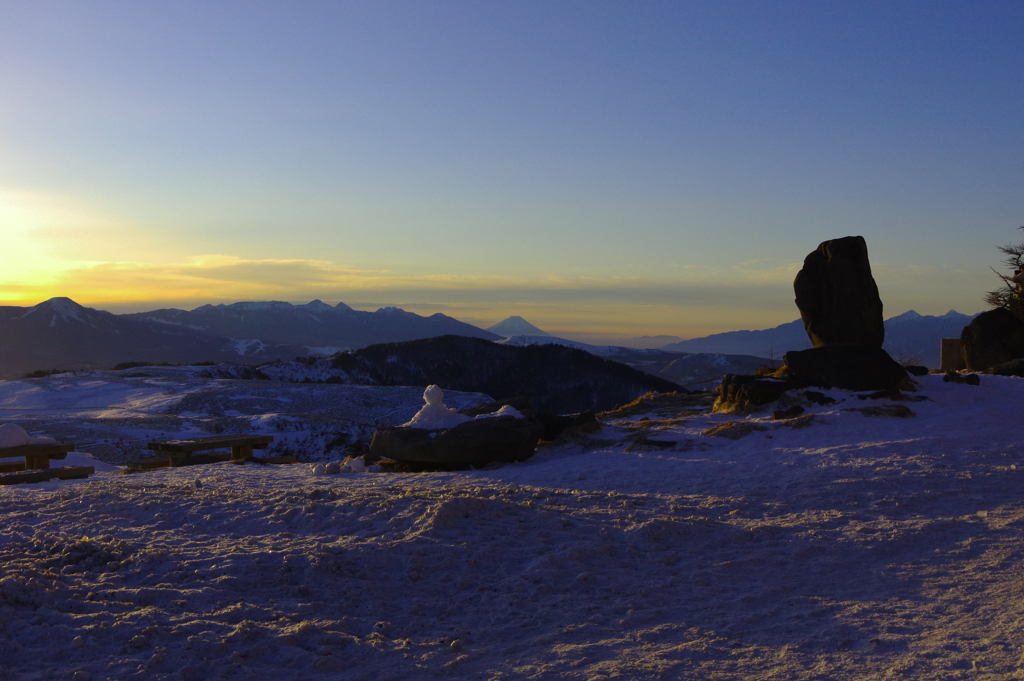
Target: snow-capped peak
{"type": "Point", "coordinates": [516, 326]}
{"type": "Point", "coordinates": [60, 307]}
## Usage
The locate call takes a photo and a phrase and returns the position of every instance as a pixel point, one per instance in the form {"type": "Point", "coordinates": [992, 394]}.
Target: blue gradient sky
{"type": "Point", "coordinates": [604, 169]}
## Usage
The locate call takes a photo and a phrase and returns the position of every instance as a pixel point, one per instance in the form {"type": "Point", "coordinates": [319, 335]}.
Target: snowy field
{"type": "Point", "coordinates": [840, 545]}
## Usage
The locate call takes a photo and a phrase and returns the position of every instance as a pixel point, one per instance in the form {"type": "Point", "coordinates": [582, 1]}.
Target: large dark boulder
{"type": "Point", "coordinates": [851, 367]}
{"type": "Point", "coordinates": [992, 338]}
{"type": "Point", "coordinates": [474, 443]}
{"type": "Point", "coordinates": [838, 297]}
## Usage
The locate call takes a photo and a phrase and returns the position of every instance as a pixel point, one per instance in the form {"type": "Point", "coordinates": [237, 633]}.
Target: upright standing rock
{"type": "Point", "coordinates": [837, 296]}
{"type": "Point", "coordinates": [842, 312]}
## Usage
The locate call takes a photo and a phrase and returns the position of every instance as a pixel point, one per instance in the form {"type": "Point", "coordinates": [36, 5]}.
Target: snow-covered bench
{"type": "Point", "coordinates": [179, 452]}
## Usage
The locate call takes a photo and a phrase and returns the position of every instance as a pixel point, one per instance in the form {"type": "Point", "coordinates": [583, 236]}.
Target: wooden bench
{"type": "Point", "coordinates": [37, 457]}
{"type": "Point", "coordinates": [173, 453]}
{"type": "Point", "coordinates": [36, 466]}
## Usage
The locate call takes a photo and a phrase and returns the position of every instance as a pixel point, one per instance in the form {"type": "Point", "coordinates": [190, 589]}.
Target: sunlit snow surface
{"type": "Point", "coordinates": [854, 547]}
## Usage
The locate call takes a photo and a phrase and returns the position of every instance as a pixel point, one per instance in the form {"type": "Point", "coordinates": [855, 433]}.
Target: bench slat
{"type": "Point", "coordinates": [200, 444]}
{"type": "Point", "coordinates": [149, 464]}
{"type": "Point", "coordinates": [65, 473]}
{"type": "Point", "coordinates": [54, 451]}
{"type": "Point", "coordinates": [288, 458]}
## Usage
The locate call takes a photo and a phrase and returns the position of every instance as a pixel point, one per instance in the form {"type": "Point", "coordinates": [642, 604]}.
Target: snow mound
{"type": "Point", "coordinates": [13, 435]}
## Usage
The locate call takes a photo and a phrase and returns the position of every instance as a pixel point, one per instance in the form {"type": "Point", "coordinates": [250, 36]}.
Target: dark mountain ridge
{"type": "Point", "coordinates": [315, 324]}
{"type": "Point", "coordinates": [555, 378]}
{"type": "Point", "coordinates": [60, 333]}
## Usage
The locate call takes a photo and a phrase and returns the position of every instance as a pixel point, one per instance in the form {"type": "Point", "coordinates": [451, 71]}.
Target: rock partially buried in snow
{"type": "Point", "coordinates": [474, 443]}
{"type": "Point", "coordinates": [349, 465]}
{"type": "Point", "coordinates": [439, 435]}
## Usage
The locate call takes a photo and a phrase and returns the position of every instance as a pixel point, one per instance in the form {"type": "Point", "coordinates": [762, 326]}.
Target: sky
{"type": "Point", "coordinates": [605, 169]}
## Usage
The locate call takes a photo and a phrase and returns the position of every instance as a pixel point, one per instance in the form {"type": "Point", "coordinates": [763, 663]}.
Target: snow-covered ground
{"type": "Point", "coordinates": [113, 414]}
{"type": "Point", "coordinates": [844, 544]}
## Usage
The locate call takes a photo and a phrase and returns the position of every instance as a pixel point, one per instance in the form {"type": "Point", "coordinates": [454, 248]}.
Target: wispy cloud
{"type": "Point", "coordinates": [218, 277]}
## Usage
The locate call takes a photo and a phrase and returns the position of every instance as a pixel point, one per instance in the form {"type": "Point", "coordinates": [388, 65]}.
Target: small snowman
{"type": "Point", "coordinates": [434, 415]}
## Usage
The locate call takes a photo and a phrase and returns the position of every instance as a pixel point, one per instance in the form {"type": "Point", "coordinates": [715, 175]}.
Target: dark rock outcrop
{"type": "Point", "coordinates": [791, 413]}
{"type": "Point", "coordinates": [992, 338]}
{"type": "Point", "coordinates": [556, 425]}
{"type": "Point", "coordinates": [837, 296]}
{"type": "Point", "coordinates": [474, 443]}
{"type": "Point", "coordinates": [1012, 368]}
{"type": "Point", "coordinates": [741, 394]}
{"type": "Point", "coordinates": [851, 367]}
{"type": "Point", "coordinates": [955, 377]}
{"type": "Point", "coordinates": [820, 399]}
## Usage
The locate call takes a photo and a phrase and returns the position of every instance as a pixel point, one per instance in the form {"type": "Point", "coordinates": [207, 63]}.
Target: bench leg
{"type": "Point", "coordinates": [179, 458]}
{"type": "Point", "coordinates": [37, 462]}
{"type": "Point", "coordinates": [241, 452]}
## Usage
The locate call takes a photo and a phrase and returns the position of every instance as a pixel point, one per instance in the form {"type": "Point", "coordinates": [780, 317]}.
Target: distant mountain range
{"type": "Point", "coordinates": [61, 334]}
{"type": "Point", "coordinates": [314, 324]}
{"type": "Point", "coordinates": [909, 336]}
{"type": "Point", "coordinates": [694, 371]}
{"type": "Point", "coordinates": [652, 342]}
